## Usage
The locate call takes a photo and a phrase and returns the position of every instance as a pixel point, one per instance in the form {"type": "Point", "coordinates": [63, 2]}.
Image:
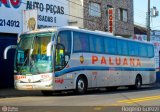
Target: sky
{"type": "Point", "coordinates": [140, 10]}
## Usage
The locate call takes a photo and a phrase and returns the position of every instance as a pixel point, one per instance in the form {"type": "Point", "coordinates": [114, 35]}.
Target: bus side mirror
{"type": "Point", "coordinates": [49, 48]}
{"type": "Point", "coordinates": [7, 49]}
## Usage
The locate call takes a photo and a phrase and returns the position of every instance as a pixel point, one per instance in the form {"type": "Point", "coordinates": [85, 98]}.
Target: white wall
{"type": "Point", "coordinates": [76, 13]}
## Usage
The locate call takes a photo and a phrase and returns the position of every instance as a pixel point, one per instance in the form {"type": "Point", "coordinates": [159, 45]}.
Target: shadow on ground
{"type": "Point", "coordinates": [11, 92]}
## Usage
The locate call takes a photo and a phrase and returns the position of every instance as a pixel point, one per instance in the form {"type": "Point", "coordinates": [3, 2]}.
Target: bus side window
{"type": "Point", "coordinates": [64, 38]}
{"type": "Point", "coordinates": [143, 50]}
{"type": "Point", "coordinates": [80, 42]}
{"type": "Point", "coordinates": [96, 44]}
{"type": "Point", "coordinates": [110, 46]}
{"type": "Point", "coordinates": [122, 47]}
{"type": "Point", "coordinates": [150, 51]}
{"type": "Point", "coordinates": [133, 49]}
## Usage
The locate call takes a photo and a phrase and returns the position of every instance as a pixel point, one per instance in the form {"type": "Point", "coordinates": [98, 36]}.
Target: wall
{"type": "Point", "coordinates": [76, 13]}
{"type": "Point", "coordinates": [90, 22]}
{"type": "Point", "coordinates": [101, 23]}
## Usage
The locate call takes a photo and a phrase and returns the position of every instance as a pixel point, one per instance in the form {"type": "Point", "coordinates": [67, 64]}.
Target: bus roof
{"type": "Point", "coordinates": [101, 33]}
{"type": "Point", "coordinates": [73, 28]}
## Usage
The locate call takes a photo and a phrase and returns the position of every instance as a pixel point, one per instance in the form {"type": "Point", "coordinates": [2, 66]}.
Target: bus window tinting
{"type": "Point", "coordinates": [110, 46]}
{"type": "Point", "coordinates": [143, 50]}
{"type": "Point", "coordinates": [84, 42]}
{"type": "Point", "coordinates": [133, 49]}
{"type": "Point", "coordinates": [122, 47]}
{"type": "Point", "coordinates": [96, 44]}
{"type": "Point", "coordinates": [64, 38]}
{"type": "Point", "coordinates": [150, 51]}
{"type": "Point", "coordinates": [80, 42]}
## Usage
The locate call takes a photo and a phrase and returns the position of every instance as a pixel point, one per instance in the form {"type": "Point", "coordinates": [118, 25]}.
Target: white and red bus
{"type": "Point", "coordinates": [69, 58]}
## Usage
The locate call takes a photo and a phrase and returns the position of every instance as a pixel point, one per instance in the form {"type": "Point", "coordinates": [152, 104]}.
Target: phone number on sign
{"type": "Point", "coordinates": [10, 23]}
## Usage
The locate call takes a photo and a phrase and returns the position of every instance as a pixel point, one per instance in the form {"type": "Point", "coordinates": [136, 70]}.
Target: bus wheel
{"type": "Point", "coordinates": [47, 93]}
{"type": "Point", "coordinates": [81, 85]}
{"type": "Point", "coordinates": [138, 82]}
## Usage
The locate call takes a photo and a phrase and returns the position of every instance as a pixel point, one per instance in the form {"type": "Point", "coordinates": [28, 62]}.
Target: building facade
{"type": "Point", "coordinates": [76, 13]}
{"type": "Point", "coordinates": [96, 16]}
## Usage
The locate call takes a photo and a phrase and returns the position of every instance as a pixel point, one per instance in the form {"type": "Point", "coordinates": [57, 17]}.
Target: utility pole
{"type": "Point", "coordinates": [148, 22]}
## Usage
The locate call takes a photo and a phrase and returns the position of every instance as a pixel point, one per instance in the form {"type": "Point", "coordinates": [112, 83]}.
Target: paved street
{"type": "Point", "coordinates": [94, 100]}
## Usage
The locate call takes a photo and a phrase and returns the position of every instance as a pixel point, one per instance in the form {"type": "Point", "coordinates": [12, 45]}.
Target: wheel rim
{"type": "Point", "coordinates": [81, 85]}
{"type": "Point", "coordinates": [138, 83]}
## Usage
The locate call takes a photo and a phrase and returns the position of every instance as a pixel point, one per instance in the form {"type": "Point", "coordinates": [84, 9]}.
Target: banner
{"type": "Point", "coordinates": [29, 20]}
{"type": "Point", "coordinates": [50, 13]}
{"type": "Point", "coordinates": [111, 20]}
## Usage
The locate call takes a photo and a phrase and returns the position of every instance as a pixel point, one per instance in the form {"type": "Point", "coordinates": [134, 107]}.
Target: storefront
{"type": "Point", "coordinates": [16, 17]}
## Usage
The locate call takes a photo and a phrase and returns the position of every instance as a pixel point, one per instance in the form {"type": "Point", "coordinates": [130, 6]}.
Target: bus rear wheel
{"type": "Point", "coordinates": [138, 83]}
{"type": "Point", "coordinates": [81, 85]}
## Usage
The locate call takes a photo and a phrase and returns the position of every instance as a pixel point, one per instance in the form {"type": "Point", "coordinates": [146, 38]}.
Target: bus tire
{"type": "Point", "coordinates": [81, 85]}
{"type": "Point", "coordinates": [47, 93]}
{"type": "Point", "coordinates": [138, 83]}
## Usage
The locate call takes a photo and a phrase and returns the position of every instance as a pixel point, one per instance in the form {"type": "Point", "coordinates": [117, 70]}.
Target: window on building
{"type": "Point", "coordinates": [123, 14]}
{"type": "Point", "coordinates": [94, 9]}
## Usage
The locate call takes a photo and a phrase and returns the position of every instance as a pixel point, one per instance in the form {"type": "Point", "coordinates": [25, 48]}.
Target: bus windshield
{"type": "Point", "coordinates": [31, 55]}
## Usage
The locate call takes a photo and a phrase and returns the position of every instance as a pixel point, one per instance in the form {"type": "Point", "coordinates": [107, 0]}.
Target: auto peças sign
{"type": "Point", "coordinates": [50, 13]}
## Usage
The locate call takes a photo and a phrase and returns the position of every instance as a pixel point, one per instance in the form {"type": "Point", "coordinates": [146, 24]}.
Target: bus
{"type": "Point", "coordinates": [70, 58]}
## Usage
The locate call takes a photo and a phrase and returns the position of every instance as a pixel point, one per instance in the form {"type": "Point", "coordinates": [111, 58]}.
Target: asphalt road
{"type": "Point", "coordinates": [94, 100]}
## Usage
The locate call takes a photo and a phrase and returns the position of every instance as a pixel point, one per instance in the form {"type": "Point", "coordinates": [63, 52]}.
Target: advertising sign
{"type": "Point", "coordinates": [111, 20]}
{"type": "Point", "coordinates": [50, 13]}
{"type": "Point", "coordinates": [30, 20]}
